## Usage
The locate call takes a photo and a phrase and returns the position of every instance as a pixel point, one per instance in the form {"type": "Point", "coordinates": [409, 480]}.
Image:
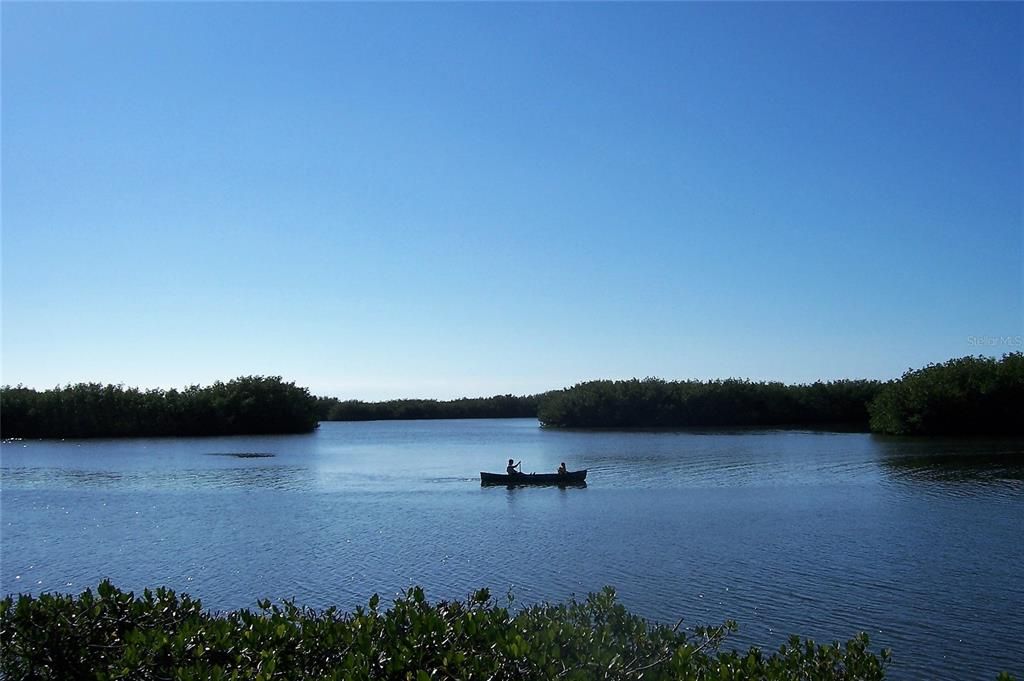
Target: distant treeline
{"type": "Point", "coordinates": [966, 396]}
{"type": "Point", "coordinates": [497, 407]}
{"type": "Point", "coordinates": [251, 404]}
{"type": "Point", "coordinates": [969, 396]}
{"type": "Point", "coordinates": [656, 403]}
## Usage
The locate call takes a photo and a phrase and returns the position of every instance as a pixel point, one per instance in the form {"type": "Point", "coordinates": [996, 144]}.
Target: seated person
{"type": "Point", "coordinates": [562, 470]}
{"type": "Point", "coordinates": [511, 469]}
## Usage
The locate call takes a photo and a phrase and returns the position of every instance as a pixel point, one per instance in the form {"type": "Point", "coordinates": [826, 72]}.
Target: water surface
{"type": "Point", "coordinates": [916, 542]}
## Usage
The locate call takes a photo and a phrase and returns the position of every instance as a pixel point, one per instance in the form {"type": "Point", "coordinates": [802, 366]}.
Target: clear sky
{"type": "Point", "coordinates": [438, 200]}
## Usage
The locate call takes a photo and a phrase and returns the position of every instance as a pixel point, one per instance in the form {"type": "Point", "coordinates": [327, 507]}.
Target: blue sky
{"type": "Point", "coordinates": [438, 200]}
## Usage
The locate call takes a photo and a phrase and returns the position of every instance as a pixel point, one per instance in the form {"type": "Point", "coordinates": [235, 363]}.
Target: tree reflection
{"type": "Point", "coordinates": [952, 460]}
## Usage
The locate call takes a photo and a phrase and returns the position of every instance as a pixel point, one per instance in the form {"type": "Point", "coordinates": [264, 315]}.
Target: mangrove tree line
{"type": "Point", "coordinates": [246, 405]}
{"type": "Point", "coordinates": [965, 396]}
{"type": "Point", "coordinates": [497, 407]}
{"type": "Point", "coordinates": [969, 396]}
{"type": "Point", "coordinates": [657, 403]}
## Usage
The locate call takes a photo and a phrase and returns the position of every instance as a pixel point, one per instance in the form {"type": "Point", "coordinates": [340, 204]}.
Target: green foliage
{"type": "Point", "coordinates": [250, 404]}
{"type": "Point", "coordinates": [966, 396]}
{"type": "Point", "coordinates": [656, 403]}
{"type": "Point", "coordinates": [111, 634]}
{"type": "Point", "coordinates": [497, 407]}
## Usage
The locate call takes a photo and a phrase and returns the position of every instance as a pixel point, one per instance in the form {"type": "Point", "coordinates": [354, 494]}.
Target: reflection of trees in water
{"type": "Point", "coordinates": [243, 455]}
{"type": "Point", "coordinates": [952, 460]}
{"type": "Point", "coordinates": [62, 477]}
{"type": "Point", "coordinates": [263, 477]}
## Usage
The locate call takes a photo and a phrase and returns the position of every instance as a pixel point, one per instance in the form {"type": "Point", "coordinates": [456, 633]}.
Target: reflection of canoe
{"type": "Point", "coordinates": [570, 478]}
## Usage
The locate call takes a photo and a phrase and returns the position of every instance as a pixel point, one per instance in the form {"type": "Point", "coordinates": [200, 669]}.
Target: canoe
{"type": "Point", "coordinates": [569, 478]}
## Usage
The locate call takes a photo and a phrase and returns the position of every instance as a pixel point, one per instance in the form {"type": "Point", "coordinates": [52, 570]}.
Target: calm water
{"type": "Point", "coordinates": [818, 534]}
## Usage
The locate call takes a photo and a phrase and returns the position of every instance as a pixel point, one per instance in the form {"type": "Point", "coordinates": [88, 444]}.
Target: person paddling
{"type": "Point", "coordinates": [511, 469]}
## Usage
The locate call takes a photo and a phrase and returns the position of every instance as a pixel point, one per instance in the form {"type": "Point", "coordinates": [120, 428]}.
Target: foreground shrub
{"type": "Point", "coordinates": [111, 634]}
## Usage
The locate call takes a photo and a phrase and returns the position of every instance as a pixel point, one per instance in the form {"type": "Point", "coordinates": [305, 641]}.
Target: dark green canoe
{"type": "Point", "coordinates": [568, 478]}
